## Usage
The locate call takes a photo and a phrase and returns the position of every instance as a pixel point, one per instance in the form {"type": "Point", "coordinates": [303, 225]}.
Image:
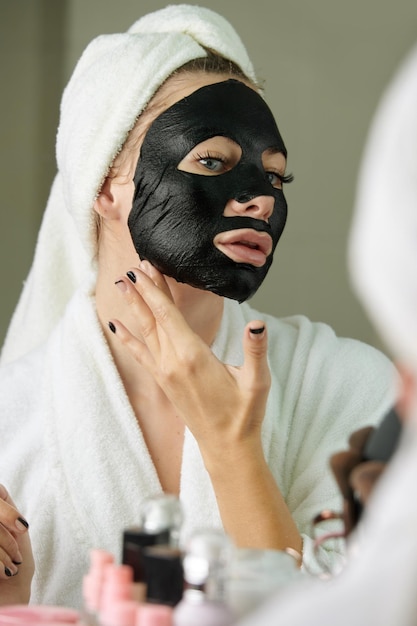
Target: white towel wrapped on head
{"type": "Point", "coordinates": [114, 80]}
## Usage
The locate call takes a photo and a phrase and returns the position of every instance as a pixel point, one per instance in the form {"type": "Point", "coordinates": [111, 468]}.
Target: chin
{"type": "Point", "coordinates": [242, 286]}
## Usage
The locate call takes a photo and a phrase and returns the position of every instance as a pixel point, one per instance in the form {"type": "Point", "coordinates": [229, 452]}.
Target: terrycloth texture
{"type": "Point", "coordinates": [114, 80]}
{"type": "Point", "coordinates": [383, 242]}
{"type": "Point", "coordinates": [75, 460]}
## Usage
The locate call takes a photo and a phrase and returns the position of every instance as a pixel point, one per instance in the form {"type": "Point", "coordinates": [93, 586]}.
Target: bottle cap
{"type": "Point", "coordinates": [206, 563]}
{"type": "Point", "coordinates": [162, 513]}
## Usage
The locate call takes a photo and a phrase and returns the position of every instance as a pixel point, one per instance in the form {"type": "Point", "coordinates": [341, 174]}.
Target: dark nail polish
{"type": "Point", "coordinates": [257, 331]}
{"type": "Point", "coordinates": [17, 562]}
{"type": "Point", "coordinates": [131, 276]}
{"type": "Point", "coordinates": [112, 327]}
{"type": "Point", "coordinates": [7, 571]}
{"type": "Point", "coordinates": [23, 521]}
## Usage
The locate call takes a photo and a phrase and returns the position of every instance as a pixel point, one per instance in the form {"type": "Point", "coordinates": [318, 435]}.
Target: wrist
{"type": "Point", "coordinates": [234, 458]}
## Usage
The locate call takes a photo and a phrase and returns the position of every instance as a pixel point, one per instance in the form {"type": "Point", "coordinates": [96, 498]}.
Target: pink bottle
{"type": "Point", "coordinates": [154, 615]}
{"type": "Point", "coordinates": [36, 615]}
{"type": "Point", "coordinates": [93, 584]}
{"type": "Point", "coordinates": [120, 613]}
{"type": "Point", "coordinates": [117, 588]}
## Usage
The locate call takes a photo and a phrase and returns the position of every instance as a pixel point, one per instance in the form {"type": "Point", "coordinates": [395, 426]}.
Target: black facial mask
{"type": "Point", "coordinates": [176, 214]}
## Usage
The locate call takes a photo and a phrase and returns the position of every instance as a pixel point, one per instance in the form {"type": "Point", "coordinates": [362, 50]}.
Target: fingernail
{"type": "Point", "coordinates": [257, 331]}
{"type": "Point", "coordinates": [121, 285]}
{"type": "Point", "coordinates": [131, 276]}
{"type": "Point", "coordinates": [17, 562]}
{"type": "Point", "coordinates": [7, 572]}
{"type": "Point", "coordinates": [112, 327]}
{"type": "Point", "coordinates": [21, 524]}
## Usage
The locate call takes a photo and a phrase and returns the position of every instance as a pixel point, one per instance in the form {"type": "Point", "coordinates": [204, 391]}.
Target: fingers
{"type": "Point", "coordinates": [12, 526]}
{"type": "Point", "coordinates": [156, 316]}
{"type": "Point", "coordinates": [144, 319]}
{"type": "Point", "coordinates": [157, 278]}
{"type": "Point", "coordinates": [157, 296]}
{"type": "Point", "coordinates": [255, 368]}
{"type": "Point", "coordinates": [158, 328]}
{"type": "Point", "coordinates": [9, 515]}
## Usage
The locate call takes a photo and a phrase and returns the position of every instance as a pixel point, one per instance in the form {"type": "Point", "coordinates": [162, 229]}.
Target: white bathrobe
{"type": "Point", "coordinates": [77, 465]}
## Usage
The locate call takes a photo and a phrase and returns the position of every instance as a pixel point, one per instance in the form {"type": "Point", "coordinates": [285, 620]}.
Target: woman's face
{"type": "Point", "coordinates": [208, 207]}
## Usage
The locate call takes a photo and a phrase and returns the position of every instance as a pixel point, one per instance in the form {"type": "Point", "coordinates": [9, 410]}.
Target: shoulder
{"type": "Point", "coordinates": [310, 357]}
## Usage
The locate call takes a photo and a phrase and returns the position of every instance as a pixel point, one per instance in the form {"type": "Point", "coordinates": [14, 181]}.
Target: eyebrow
{"type": "Point", "coordinates": [273, 150]}
{"type": "Point", "coordinates": [276, 150]}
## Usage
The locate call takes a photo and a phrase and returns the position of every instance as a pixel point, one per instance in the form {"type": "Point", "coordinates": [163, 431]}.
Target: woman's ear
{"type": "Point", "coordinates": [114, 200]}
{"type": "Point", "coordinates": [103, 204]}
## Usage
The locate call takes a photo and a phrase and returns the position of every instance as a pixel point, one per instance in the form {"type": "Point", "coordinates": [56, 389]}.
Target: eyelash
{"type": "Point", "coordinates": [284, 178]}
{"type": "Point", "coordinates": [210, 155]}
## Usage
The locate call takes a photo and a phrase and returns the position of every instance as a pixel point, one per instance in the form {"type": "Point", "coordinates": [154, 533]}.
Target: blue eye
{"type": "Point", "coordinates": [212, 164]}
{"type": "Point", "coordinates": [274, 179]}
{"type": "Point", "coordinates": [277, 180]}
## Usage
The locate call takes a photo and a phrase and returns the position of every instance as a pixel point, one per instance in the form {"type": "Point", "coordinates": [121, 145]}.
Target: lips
{"type": "Point", "coordinates": [245, 245]}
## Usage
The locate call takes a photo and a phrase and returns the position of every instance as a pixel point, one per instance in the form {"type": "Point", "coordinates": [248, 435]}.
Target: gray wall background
{"type": "Point", "coordinates": [325, 64]}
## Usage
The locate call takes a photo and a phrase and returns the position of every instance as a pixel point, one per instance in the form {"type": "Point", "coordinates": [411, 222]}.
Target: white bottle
{"type": "Point", "coordinates": [206, 563]}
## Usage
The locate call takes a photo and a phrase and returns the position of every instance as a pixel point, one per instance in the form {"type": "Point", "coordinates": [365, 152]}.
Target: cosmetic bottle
{"type": "Point", "coordinates": [154, 615]}
{"type": "Point", "coordinates": [38, 615]}
{"type": "Point", "coordinates": [92, 585]}
{"type": "Point", "coordinates": [117, 586]}
{"type": "Point", "coordinates": [163, 513]}
{"type": "Point", "coordinates": [160, 522]}
{"type": "Point", "coordinates": [206, 564]}
{"type": "Point", "coordinates": [164, 575]}
{"type": "Point", "coordinates": [120, 613]}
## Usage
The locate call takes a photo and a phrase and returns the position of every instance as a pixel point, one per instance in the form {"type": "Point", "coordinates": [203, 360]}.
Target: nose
{"type": "Point", "coordinates": [258, 207]}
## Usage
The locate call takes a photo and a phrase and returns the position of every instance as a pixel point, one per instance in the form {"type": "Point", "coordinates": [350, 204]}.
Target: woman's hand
{"type": "Point", "coordinates": [222, 405]}
{"type": "Point", "coordinates": [16, 560]}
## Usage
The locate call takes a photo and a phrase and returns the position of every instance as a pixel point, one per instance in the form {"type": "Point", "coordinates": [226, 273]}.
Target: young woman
{"type": "Point", "coordinates": [133, 365]}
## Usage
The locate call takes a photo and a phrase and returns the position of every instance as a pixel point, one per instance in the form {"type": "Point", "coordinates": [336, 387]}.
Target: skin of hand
{"type": "Point", "coordinates": [222, 405]}
{"type": "Point", "coordinates": [16, 559]}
